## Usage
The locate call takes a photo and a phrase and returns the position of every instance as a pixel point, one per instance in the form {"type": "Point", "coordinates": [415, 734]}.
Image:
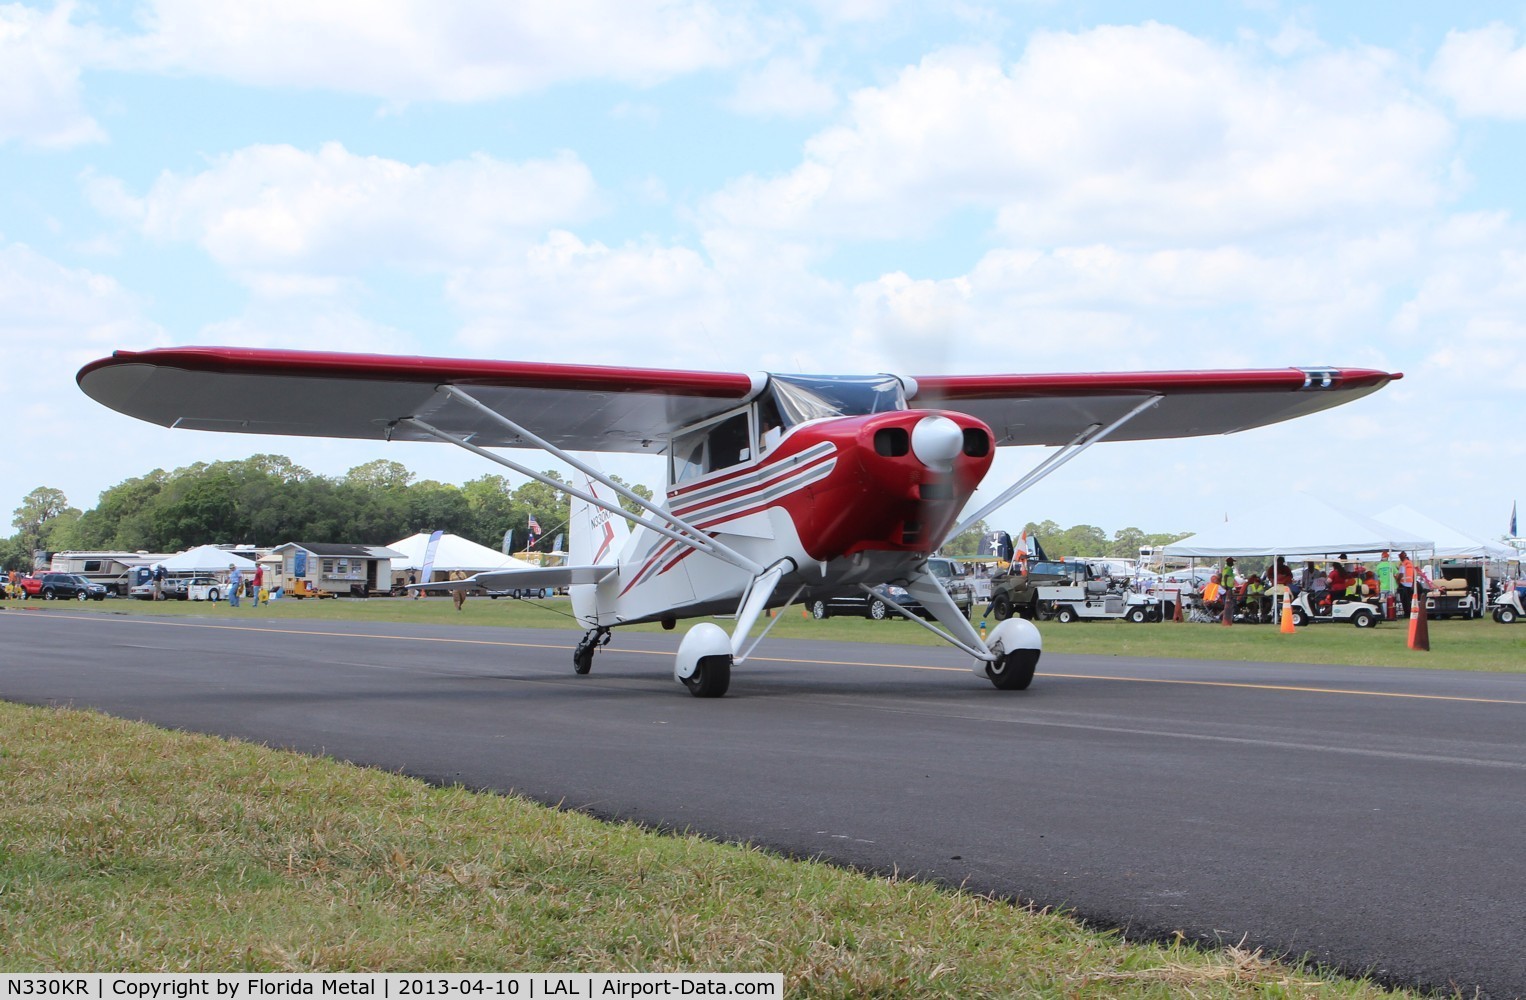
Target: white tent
{"type": "Point", "coordinates": [206, 559]}
{"type": "Point", "coordinates": [453, 554]}
{"type": "Point", "coordinates": [1450, 543]}
{"type": "Point", "coordinates": [1298, 525]}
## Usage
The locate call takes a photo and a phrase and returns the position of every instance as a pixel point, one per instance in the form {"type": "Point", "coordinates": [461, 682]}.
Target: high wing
{"type": "Point", "coordinates": [577, 407]}
{"type": "Point", "coordinates": [610, 409]}
{"type": "Point", "coordinates": [1051, 409]}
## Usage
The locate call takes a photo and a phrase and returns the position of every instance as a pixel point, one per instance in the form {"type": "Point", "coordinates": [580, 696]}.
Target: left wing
{"type": "Point", "coordinates": [577, 407]}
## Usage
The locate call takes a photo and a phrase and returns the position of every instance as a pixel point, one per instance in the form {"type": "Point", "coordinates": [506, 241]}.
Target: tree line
{"type": "Point", "coordinates": [269, 500]}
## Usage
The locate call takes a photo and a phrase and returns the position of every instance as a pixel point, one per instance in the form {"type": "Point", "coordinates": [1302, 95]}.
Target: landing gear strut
{"type": "Point", "coordinates": [582, 657]}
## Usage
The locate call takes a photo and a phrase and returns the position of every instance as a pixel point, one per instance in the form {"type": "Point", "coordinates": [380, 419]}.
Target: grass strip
{"type": "Point", "coordinates": [124, 847]}
{"type": "Point", "coordinates": [1477, 645]}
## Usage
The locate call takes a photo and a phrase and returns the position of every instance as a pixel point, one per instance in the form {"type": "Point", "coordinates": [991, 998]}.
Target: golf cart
{"type": "Point", "coordinates": [1307, 609]}
{"type": "Point", "coordinates": [1094, 599]}
{"type": "Point", "coordinates": [1457, 590]}
{"type": "Point", "coordinates": [1508, 606]}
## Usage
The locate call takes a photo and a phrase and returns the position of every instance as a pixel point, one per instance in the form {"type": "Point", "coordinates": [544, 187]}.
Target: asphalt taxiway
{"type": "Point", "coordinates": [1369, 819]}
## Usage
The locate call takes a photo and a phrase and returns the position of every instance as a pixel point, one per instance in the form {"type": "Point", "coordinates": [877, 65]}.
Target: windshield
{"type": "Point", "coordinates": [808, 397]}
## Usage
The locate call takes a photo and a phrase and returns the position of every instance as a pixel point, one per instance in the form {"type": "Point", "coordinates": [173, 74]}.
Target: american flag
{"type": "Point", "coordinates": [534, 531]}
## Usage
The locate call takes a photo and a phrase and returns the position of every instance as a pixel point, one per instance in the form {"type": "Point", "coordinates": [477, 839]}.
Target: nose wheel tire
{"type": "Point", "coordinates": [711, 677]}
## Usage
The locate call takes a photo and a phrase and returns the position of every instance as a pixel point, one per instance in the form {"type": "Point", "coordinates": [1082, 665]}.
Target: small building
{"type": "Point", "coordinates": [331, 567]}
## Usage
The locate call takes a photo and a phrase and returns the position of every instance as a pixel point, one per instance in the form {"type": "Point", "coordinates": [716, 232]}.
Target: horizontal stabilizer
{"type": "Point", "coordinates": [534, 578]}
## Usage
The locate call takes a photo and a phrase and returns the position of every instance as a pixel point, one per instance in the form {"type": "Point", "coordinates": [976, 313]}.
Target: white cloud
{"type": "Point", "coordinates": [567, 299]}
{"type": "Point", "coordinates": [1483, 72]}
{"type": "Point", "coordinates": [1119, 133]}
{"type": "Point", "coordinates": [786, 87]}
{"type": "Point", "coordinates": [405, 50]}
{"type": "Point", "coordinates": [40, 100]}
{"type": "Point", "coordinates": [281, 209]}
{"type": "Point", "coordinates": [53, 320]}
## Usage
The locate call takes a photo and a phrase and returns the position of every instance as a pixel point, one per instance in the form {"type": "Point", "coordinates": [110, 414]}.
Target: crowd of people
{"type": "Point", "coordinates": [1390, 583]}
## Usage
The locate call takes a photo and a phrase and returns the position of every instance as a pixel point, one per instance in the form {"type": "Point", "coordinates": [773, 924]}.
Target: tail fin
{"type": "Point", "coordinates": [595, 537]}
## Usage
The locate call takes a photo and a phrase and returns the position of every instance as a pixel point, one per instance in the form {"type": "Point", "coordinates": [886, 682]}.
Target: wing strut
{"type": "Point", "coordinates": [1078, 444]}
{"type": "Point", "coordinates": [686, 533]}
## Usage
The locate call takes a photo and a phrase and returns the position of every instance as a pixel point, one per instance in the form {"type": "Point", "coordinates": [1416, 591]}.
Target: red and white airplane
{"type": "Point", "coordinates": [780, 487]}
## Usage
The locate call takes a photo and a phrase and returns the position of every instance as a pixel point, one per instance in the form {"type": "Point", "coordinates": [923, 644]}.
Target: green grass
{"type": "Point", "coordinates": [1482, 644]}
{"type": "Point", "coordinates": [128, 848]}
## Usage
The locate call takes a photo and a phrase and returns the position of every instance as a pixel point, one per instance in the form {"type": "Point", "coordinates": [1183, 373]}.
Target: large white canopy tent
{"type": "Point", "coordinates": [205, 559]}
{"type": "Point", "coordinates": [1450, 543]}
{"type": "Point", "coordinates": [453, 554]}
{"type": "Point", "coordinates": [1298, 524]}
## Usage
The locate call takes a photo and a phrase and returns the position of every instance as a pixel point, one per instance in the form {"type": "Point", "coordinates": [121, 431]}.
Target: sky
{"type": "Point", "coordinates": [843, 186]}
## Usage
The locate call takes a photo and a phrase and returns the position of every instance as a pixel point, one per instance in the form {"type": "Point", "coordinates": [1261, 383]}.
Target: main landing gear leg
{"type": "Point", "coordinates": [582, 657]}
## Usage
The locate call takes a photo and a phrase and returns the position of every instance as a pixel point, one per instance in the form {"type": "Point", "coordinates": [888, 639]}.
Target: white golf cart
{"type": "Point", "coordinates": [1508, 606]}
{"type": "Point", "coordinates": [1359, 613]}
{"type": "Point", "coordinates": [1093, 599]}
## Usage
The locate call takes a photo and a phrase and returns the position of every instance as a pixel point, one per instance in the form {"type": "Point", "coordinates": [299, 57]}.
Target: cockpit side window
{"type": "Point", "coordinates": [717, 445]}
{"type": "Point", "coordinates": [730, 442]}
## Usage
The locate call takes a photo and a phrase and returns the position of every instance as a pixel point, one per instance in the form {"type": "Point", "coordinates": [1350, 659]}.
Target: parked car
{"type": "Point", "coordinates": [867, 606]}
{"type": "Point", "coordinates": [63, 586]}
{"type": "Point", "coordinates": [180, 588]}
{"type": "Point", "coordinates": [205, 588]}
{"type": "Point", "coordinates": [954, 577]}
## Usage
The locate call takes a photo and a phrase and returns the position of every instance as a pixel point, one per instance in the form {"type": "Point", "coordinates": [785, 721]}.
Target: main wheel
{"type": "Point", "coordinates": [1013, 671]}
{"type": "Point", "coordinates": [819, 610]}
{"type": "Point", "coordinates": [879, 610]}
{"type": "Point", "coordinates": [1138, 616]}
{"type": "Point", "coordinates": [1001, 609]}
{"type": "Point", "coordinates": [711, 677]}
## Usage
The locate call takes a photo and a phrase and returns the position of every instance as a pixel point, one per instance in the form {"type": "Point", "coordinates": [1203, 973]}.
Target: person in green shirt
{"type": "Point", "coordinates": [1388, 578]}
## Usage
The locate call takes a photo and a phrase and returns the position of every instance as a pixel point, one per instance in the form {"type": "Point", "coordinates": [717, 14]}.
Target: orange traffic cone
{"type": "Point", "coordinates": [1287, 615]}
{"type": "Point", "coordinates": [1419, 631]}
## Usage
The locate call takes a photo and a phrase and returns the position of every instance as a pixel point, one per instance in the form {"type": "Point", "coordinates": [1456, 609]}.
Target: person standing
{"type": "Point", "coordinates": [1388, 578]}
{"type": "Point", "coordinates": [259, 581]}
{"type": "Point", "coordinates": [1406, 584]}
{"type": "Point", "coordinates": [1227, 578]}
{"type": "Point", "coordinates": [159, 582]}
{"type": "Point", "coordinates": [235, 584]}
